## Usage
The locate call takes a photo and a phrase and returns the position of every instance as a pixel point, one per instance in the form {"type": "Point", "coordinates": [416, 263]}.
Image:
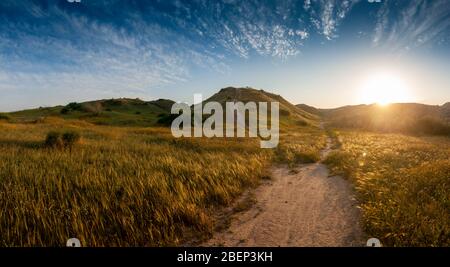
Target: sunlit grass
{"type": "Point", "coordinates": [402, 183]}
{"type": "Point", "coordinates": [125, 186]}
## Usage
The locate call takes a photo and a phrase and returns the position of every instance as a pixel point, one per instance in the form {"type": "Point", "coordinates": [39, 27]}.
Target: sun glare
{"type": "Point", "coordinates": [383, 89]}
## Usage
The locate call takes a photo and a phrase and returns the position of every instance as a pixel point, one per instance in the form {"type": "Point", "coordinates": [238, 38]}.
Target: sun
{"type": "Point", "coordinates": [384, 88]}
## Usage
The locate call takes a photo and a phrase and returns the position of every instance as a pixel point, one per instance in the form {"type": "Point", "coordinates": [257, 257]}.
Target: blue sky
{"type": "Point", "coordinates": [314, 52]}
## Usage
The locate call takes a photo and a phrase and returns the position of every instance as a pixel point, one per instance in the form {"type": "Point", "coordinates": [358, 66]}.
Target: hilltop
{"type": "Point", "coordinates": [288, 111]}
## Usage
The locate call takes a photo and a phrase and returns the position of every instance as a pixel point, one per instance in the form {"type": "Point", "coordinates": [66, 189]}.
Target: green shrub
{"type": "Point", "coordinates": [54, 140]}
{"type": "Point", "coordinates": [167, 119]}
{"type": "Point", "coordinates": [4, 117]}
{"type": "Point", "coordinates": [74, 106]}
{"type": "Point", "coordinates": [64, 110]}
{"type": "Point", "coordinates": [62, 140]}
{"type": "Point", "coordinates": [70, 138]}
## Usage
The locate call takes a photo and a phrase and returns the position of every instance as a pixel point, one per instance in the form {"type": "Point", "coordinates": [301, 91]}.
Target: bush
{"type": "Point", "coordinates": [167, 119]}
{"type": "Point", "coordinates": [71, 107]}
{"type": "Point", "coordinates": [70, 138]}
{"type": "Point", "coordinates": [62, 140]}
{"type": "Point", "coordinates": [4, 117]}
{"type": "Point", "coordinates": [54, 140]}
{"type": "Point", "coordinates": [65, 110]}
{"type": "Point", "coordinates": [74, 106]}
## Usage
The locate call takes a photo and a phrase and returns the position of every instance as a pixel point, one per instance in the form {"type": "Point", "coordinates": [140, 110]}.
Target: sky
{"type": "Point", "coordinates": [322, 53]}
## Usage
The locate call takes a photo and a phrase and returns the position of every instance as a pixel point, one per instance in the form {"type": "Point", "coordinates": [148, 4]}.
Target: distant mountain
{"type": "Point", "coordinates": [400, 117]}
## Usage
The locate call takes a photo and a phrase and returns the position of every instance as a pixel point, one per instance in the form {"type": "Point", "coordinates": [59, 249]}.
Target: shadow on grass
{"type": "Point", "coordinates": [22, 143]}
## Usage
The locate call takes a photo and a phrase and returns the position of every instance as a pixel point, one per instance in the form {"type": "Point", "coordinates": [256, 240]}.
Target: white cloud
{"type": "Point", "coordinates": [330, 14]}
{"type": "Point", "coordinates": [303, 34]}
{"type": "Point", "coordinates": [98, 58]}
{"type": "Point", "coordinates": [418, 23]}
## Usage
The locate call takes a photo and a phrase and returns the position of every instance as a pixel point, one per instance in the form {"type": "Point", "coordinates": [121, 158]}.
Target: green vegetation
{"type": "Point", "coordinates": [4, 117]}
{"type": "Point", "coordinates": [62, 140]}
{"type": "Point", "coordinates": [402, 184]}
{"type": "Point", "coordinates": [54, 140]}
{"type": "Point", "coordinates": [114, 112]}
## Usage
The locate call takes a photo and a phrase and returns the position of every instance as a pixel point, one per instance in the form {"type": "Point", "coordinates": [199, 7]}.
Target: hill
{"type": "Point", "coordinates": [119, 112]}
{"type": "Point", "coordinates": [137, 112]}
{"type": "Point", "coordinates": [401, 117]}
{"type": "Point", "coordinates": [288, 111]}
{"type": "Point", "coordinates": [309, 109]}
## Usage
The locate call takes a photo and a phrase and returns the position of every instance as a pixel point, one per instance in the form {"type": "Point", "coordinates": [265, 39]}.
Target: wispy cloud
{"type": "Point", "coordinates": [118, 47]}
{"type": "Point", "coordinates": [73, 52]}
{"type": "Point", "coordinates": [326, 15]}
{"type": "Point", "coordinates": [414, 25]}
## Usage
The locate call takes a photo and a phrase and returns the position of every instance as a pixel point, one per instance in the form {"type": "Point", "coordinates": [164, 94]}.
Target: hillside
{"type": "Point", "coordinates": [401, 117]}
{"type": "Point", "coordinates": [136, 112]}
{"type": "Point", "coordinates": [119, 112]}
{"type": "Point", "coordinates": [309, 109]}
{"type": "Point", "coordinates": [288, 111]}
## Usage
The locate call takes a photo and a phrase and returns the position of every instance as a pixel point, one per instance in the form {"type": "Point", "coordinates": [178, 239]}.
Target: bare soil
{"type": "Point", "coordinates": [301, 206]}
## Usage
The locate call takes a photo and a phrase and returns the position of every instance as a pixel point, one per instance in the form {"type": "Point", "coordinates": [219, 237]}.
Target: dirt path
{"type": "Point", "coordinates": [300, 207]}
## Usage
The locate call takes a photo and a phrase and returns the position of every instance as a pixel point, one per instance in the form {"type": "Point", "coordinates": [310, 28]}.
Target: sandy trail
{"type": "Point", "coordinates": [300, 207]}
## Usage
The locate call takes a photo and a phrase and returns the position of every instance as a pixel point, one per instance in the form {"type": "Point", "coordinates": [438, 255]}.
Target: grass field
{"type": "Point", "coordinates": [137, 186]}
{"type": "Point", "coordinates": [402, 184]}
{"type": "Point", "coordinates": [127, 186]}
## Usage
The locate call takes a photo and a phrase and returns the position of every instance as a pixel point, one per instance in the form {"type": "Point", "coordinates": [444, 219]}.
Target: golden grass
{"type": "Point", "coordinates": [123, 186]}
{"type": "Point", "coordinates": [402, 183]}
{"type": "Point", "coordinates": [300, 145]}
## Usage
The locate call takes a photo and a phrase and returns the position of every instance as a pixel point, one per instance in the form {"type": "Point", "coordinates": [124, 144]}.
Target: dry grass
{"type": "Point", "coordinates": [121, 186]}
{"type": "Point", "coordinates": [300, 145]}
{"type": "Point", "coordinates": [402, 183]}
